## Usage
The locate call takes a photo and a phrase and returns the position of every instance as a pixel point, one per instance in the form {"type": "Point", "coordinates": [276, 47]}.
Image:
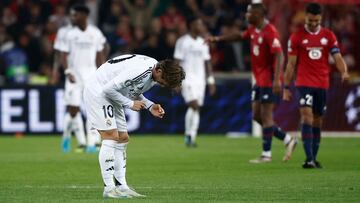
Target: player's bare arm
{"type": "Point", "coordinates": [341, 66]}
{"type": "Point", "coordinates": [278, 69]}
{"type": "Point", "coordinates": [67, 71]}
{"type": "Point", "coordinates": [100, 57]}
{"type": "Point", "coordinates": [138, 105]}
{"type": "Point", "coordinates": [235, 36]}
{"type": "Point", "coordinates": [289, 73]}
{"type": "Point", "coordinates": [210, 78]}
{"type": "Point", "coordinates": [55, 70]}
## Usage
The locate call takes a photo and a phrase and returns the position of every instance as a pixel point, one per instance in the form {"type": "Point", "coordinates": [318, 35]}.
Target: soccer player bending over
{"type": "Point", "coordinates": [308, 50]}
{"type": "Point", "coordinates": [117, 84]}
{"type": "Point", "coordinates": [266, 63]}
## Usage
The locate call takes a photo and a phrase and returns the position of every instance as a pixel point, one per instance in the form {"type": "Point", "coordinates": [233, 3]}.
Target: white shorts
{"type": "Point", "coordinates": [192, 92]}
{"type": "Point", "coordinates": [102, 114]}
{"type": "Point", "coordinates": [73, 93]}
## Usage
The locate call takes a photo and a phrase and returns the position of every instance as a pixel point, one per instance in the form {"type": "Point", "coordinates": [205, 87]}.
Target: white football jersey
{"type": "Point", "coordinates": [82, 47]}
{"type": "Point", "coordinates": [130, 74]}
{"type": "Point", "coordinates": [192, 54]}
{"type": "Point", "coordinates": [60, 37]}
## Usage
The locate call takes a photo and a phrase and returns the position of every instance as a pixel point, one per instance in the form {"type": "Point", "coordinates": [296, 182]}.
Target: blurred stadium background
{"type": "Point", "coordinates": [32, 104]}
{"type": "Point", "coordinates": [29, 104]}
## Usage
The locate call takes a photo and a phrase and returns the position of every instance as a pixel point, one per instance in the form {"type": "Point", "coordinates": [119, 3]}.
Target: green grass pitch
{"type": "Point", "coordinates": [33, 169]}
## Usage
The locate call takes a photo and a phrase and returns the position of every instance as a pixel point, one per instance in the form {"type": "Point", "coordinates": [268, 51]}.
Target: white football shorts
{"type": "Point", "coordinates": [193, 91]}
{"type": "Point", "coordinates": [73, 93]}
{"type": "Point", "coordinates": [101, 113]}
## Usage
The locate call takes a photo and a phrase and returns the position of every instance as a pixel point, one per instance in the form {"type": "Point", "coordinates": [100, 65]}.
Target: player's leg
{"type": "Point", "coordinates": [192, 121]}
{"type": "Point", "coordinates": [67, 132]}
{"type": "Point", "coordinates": [319, 110]}
{"type": "Point", "coordinates": [120, 155]}
{"type": "Point", "coordinates": [93, 138]}
{"type": "Point", "coordinates": [306, 113]}
{"type": "Point", "coordinates": [192, 116]}
{"type": "Point", "coordinates": [255, 104]}
{"type": "Point", "coordinates": [317, 123]}
{"type": "Point", "coordinates": [101, 116]}
{"type": "Point", "coordinates": [262, 113]}
{"type": "Point", "coordinates": [78, 127]}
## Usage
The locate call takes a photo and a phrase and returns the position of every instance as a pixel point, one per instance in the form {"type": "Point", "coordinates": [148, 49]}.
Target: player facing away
{"type": "Point", "coordinates": [266, 63]}
{"type": "Point", "coordinates": [194, 56]}
{"type": "Point", "coordinates": [309, 50]}
{"type": "Point", "coordinates": [81, 54]}
{"type": "Point", "coordinates": [117, 84]}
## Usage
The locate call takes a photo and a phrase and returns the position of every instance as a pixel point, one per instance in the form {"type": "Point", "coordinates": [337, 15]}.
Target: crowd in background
{"type": "Point", "coordinates": [28, 30]}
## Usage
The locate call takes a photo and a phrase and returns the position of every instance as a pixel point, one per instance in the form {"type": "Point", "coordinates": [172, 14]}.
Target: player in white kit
{"type": "Point", "coordinates": [117, 84]}
{"type": "Point", "coordinates": [81, 54]}
{"type": "Point", "coordinates": [194, 57]}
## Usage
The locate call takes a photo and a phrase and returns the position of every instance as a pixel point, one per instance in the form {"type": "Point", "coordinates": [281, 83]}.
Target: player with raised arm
{"type": "Point", "coordinates": [194, 56]}
{"type": "Point", "coordinates": [309, 50]}
{"type": "Point", "coordinates": [81, 54]}
{"type": "Point", "coordinates": [117, 84]}
{"type": "Point", "coordinates": [266, 62]}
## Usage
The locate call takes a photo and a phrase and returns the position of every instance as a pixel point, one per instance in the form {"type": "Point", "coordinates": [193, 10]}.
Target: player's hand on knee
{"type": "Point", "coordinates": [287, 95]}
{"type": "Point", "coordinates": [157, 111]}
{"type": "Point", "coordinates": [138, 105]}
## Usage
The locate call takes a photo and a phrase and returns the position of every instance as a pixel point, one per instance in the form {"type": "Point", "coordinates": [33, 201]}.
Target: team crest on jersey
{"type": "Point", "coordinates": [108, 122]}
{"type": "Point", "coordinates": [315, 53]}
{"type": "Point", "coordinates": [323, 41]}
{"type": "Point", "coordinates": [260, 40]}
{"type": "Point", "coordinates": [305, 41]}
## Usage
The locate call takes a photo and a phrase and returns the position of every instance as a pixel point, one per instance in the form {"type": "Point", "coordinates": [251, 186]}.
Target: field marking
{"type": "Point", "coordinates": [100, 187]}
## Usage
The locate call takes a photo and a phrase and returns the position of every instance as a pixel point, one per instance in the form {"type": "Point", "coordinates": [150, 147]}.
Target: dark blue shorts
{"type": "Point", "coordinates": [314, 98]}
{"type": "Point", "coordinates": [264, 95]}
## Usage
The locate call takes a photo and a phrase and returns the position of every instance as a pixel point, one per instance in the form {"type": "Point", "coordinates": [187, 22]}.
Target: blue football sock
{"type": "Point", "coordinates": [267, 138]}
{"type": "Point", "coordinates": [278, 133]}
{"type": "Point", "coordinates": [316, 140]}
{"type": "Point", "coordinates": [307, 138]}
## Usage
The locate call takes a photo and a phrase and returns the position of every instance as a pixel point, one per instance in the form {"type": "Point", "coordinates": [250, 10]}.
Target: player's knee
{"type": "Point", "coordinates": [317, 121]}
{"type": "Point", "coordinates": [194, 105]}
{"type": "Point", "coordinates": [257, 118]}
{"type": "Point", "coordinates": [73, 111]}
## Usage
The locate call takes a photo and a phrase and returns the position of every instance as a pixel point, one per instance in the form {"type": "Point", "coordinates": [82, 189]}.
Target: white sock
{"type": "Point", "coordinates": [67, 126]}
{"type": "Point", "coordinates": [78, 126]}
{"type": "Point", "coordinates": [188, 120]}
{"type": "Point", "coordinates": [287, 139]}
{"type": "Point", "coordinates": [195, 125]}
{"type": "Point", "coordinates": [266, 153]}
{"type": "Point", "coordinates": [120, 164]}
{"type": "Point", "coordinates": [106, 161]}
{"type": "Point", "coordinates": [91, 135]}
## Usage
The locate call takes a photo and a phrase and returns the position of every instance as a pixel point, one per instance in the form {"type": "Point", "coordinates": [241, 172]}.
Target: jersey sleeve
{"type": "Point", "coordinates": [101, 41]}
{"type": "Point", "coordinates": [273, 41]}
{"type": "Point", "coordinates": [58, 41]}
{"type": "Point", "coordinates": [206, 52]}
{"type": "Point", "coordinates": [65, 42]}
{"type": "Point", "coordinates": [179, 50]}
{"type": "Point", "coordinates": [293, 45]}
{"type": "Point", "coordinates": [333, 44]}
{"type": "Point", "coordinates": [112, 90]}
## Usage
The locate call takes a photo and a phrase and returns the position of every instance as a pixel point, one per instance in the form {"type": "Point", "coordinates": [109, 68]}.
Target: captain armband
{"type": "Point", "coordinates": [334, 50]}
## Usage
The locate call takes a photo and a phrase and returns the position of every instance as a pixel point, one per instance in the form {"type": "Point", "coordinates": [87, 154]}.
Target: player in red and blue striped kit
{"type": "Point", "coordinates": [266, 63]}
{"type": "Point", "coordinates": [309, 50]}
